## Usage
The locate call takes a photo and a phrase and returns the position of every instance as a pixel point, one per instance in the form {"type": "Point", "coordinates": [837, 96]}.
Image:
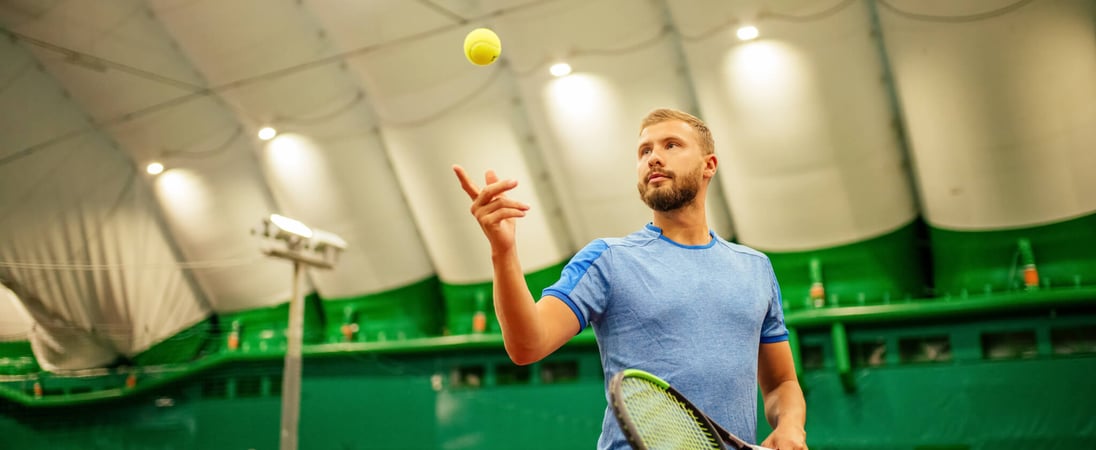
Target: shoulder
{"type": "Point", "coordinates": [597, 249]}
{"type": "Point", "coordinates": [742, 250]}
{"type": "Point", "coordinates": [603, 246]}
{"type": "Point", "coordinates": [641, 238]}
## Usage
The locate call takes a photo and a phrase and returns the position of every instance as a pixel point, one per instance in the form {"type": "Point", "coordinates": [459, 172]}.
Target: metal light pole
{"type": "Point", "coordinates": [305, 247]}
{"type": "Point", "coordinates": [291, 373]}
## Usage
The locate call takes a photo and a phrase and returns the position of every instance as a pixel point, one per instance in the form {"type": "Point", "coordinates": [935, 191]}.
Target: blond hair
{"type": "Point", "coordinates": [707, 143]}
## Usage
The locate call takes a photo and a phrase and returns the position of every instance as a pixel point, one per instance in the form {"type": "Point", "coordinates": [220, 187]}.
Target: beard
{"type": "Point", "coordinates": [682, 192]}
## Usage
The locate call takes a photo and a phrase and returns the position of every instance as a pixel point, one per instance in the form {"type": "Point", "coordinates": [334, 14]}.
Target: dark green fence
{"type": "Point", "coordinates": [982, 380]}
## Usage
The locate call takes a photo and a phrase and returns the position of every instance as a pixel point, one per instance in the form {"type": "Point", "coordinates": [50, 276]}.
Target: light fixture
{"type": "Point", "coordinates": [322, 240]}
{"type": "Point", "coordinates": [291, 239]}
{"type": "Point", "coordinates": [560, 69]}
{"type": "Point", "coordinates": [154, 168]}
{"type": "Point", "coordinates": [291, 226]}
{"type": "Point", "coordinates": [267, 133]}
{"type": "Point", "coordinates": [747, 33]}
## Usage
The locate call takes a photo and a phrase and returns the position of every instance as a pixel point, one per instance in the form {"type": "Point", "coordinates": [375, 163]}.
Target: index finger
{"type": "Point", "coordinates": [466, 183]}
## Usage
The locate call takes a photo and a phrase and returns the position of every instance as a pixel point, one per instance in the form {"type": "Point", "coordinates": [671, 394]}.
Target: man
{"type": "Point", "coordinates": [673, 298]}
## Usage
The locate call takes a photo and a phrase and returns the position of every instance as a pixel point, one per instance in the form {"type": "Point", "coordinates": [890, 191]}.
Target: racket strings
{"type": "Point", "coordinates": [662, 421]}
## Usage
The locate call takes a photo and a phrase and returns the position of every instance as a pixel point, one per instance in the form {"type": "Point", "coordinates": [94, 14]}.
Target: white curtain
{"type": "Point", "coordinates": [15, 322]}
{"type": "Point", "coordinates": [80, 237]}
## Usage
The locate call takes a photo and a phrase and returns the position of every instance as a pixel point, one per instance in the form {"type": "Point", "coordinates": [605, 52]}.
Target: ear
{"type": "Point", "coordinates": [711, 162]}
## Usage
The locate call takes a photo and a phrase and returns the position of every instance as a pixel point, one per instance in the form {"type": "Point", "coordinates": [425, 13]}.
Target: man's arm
{"type": "Point", "coordinates": [785, 408]}
{"type": "Point", "coordinates": [530, 330]}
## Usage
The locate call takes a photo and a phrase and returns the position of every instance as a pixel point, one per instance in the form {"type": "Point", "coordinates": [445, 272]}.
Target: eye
{"type": "Point", "coordinates": [671, 144]}
{"type": "Point", "coordinates": [645, 150]}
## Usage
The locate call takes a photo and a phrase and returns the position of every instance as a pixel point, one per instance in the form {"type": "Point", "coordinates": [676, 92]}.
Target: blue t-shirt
{"type": "Point", "coordinates": [692, 315]}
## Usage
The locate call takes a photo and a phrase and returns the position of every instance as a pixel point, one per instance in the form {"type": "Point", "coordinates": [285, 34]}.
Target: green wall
{"type": "Point", "coordinates": [923, 262]}
{"type": "Point", "coordinates": [883, 269]}
{"type": "Point", "coordinates": [981, 262]}
{"type": "Point", "coordinates": [16, 357]}
{"type": "Point", "coordinates": [463, 301]}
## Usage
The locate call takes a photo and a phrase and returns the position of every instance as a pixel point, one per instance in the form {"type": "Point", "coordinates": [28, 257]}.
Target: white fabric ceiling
{"type": "Point", "coordinates": [374, 102]}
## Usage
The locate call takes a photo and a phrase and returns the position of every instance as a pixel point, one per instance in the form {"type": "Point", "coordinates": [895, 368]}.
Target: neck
{"type": "Point", "coordinates": [687, 225]}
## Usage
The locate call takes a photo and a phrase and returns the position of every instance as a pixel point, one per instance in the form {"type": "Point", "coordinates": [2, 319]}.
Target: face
{"type": "Point", "coordinates": [671, 165]}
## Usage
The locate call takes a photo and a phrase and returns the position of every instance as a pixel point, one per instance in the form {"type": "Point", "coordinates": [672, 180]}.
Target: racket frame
{"type": "Point", "coordinates": [620, 410]}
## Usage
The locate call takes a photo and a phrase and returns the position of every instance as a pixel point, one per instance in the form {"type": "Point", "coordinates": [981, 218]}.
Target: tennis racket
{"type": "Point", "coordinates": [655, 416]}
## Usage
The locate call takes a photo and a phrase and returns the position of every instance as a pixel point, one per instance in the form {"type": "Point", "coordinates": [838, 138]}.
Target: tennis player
{"type": "Point", "coordinates": [672, 298]}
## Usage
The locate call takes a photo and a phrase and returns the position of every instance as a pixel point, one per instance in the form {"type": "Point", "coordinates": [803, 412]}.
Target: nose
{"type": "Point", "coordinates": [655, 158]}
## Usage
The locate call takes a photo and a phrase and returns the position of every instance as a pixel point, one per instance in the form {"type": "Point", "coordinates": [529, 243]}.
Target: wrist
{"type": "Point", "coordinates": [502, 253]}
{"type": "Point", "coordinates": [791, 427]}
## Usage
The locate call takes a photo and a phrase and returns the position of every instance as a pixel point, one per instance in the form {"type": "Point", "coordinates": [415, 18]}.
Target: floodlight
{"type": "Point", "coordinates": [291, 239]}
{"type": "Point", "coordinates": [324, 240]}
{"type": "Point", "coordinates": [291, 226]}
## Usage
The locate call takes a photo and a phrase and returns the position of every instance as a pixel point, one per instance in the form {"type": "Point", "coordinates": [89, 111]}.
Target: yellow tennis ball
{"type": "Point", "coordinates": [482, 46]}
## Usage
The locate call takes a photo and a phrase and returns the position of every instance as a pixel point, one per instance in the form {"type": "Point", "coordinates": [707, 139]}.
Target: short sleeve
{"type": "Point", "coordinates": [773, 329]}
{"type": "Point", "coordinates": [584, 283]}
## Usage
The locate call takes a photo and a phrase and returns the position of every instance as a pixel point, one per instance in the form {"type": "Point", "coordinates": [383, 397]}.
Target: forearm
{"type": "Point", "coordinates": [785, 405]}
{"type": "Point", "coordinates": [522, 332]}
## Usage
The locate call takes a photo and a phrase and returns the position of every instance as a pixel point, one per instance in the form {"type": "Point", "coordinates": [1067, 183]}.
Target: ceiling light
{"type": "Point", "coordinates": [560, 69]}
{"type": "Point", "coordinates": [267, 133]}
{"type": "Point", "coordinates": [747, 33]}
{"type": "Point", "coordinates": [154, 168]}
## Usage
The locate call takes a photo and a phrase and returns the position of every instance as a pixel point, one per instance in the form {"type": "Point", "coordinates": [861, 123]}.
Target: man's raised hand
{"type": "Point", "coordinates": [492, 209]}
